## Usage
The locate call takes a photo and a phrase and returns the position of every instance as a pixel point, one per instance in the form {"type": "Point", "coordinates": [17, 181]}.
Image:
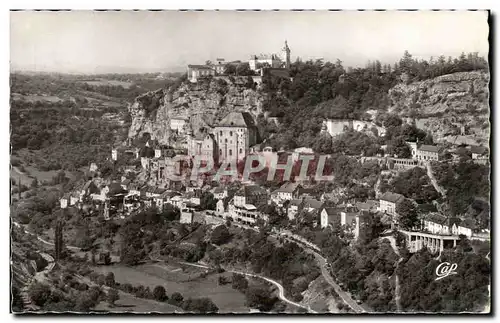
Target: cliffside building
{"type": "Point", "coordinates": [282, 60]}
{"type": "Point", "coordinates": [423, 152]}
{"type": "Point", "coordinates": [235, 134]}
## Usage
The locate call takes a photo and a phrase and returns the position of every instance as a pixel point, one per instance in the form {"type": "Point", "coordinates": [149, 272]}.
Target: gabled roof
{"type": "Point", "coordinates": [295, 202]}
{"type": "Point", "coordinates": [289, 187]}
{"type": "Point", "coordinates": [452, 221]}
{"type": "Point", "coordinates": [169, 194]}
{"type": "Point", "coordinates": [251, 190]}
{"type": "Point", "coordinates": [219, 190]}
{"type": "Point", "coordinates": [478, 150]}
{"type": "Point", "coordinates": [468, 223]}
{"type": "Point", "coordinates": [429, 148]}
{"type": "Point", "coordinates": [312, 203]}
{"type": "Point", "coordinates": [237, 119]}
{"type": "Point", "coordinates": [436, 218]}
{"type": "Point", "coordinates": [115, 188]}
{"type": "Point", "coordinates": [392, 197]}
{"type": "Point", "coordinates": [87, 185]}
{"type": "Point", "coordinates": [369, 205]}
{"type": "Point", "coordinates": [330, 210]}
{"type": "Point", "coordinates": [200, 67]}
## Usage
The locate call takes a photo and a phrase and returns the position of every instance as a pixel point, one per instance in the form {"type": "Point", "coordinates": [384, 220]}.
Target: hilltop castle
{"type": "Point", "coordinates": [257, 63]}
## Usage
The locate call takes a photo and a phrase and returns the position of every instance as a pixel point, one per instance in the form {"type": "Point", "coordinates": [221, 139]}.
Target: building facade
{"type": "Point", "coordinates": [234, 135]}
{"type": "Point", "coordinates": [389, 202]}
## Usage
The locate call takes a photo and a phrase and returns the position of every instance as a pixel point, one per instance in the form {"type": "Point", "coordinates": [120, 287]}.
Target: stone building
{"type": "Point", "coordinates": [234, 135]}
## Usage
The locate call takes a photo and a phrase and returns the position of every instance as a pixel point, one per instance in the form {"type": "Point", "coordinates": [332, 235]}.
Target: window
{"type": "Point", "coordinates": [221, 132]}
{"type": "Point", "coordinates": [226, 140]}
{"type": "Point", "coordinates": [241, 151]}
{"type": "Point", "coordinates": [230, 133]}
{"type": "Point", "coordinates": [220, 152]}
{"type": "Point", "coordinates": [230, 152]}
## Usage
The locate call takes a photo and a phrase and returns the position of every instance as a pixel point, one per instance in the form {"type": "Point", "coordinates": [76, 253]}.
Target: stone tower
{"type": "Point", "coordinates": [285, 55]}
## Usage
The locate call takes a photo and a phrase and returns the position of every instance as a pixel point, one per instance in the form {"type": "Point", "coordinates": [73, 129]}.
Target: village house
{"type": "Point", "coordinates": [89, 188]}
{"type": "Point", "coordinates": [250, 195]}
{"type": "Point", "coordinates": [293, 208]}
{"type": "Point", "coordinates": [186, 215]}
{"type": "Point", "coordinates": [389, 201]}
{"type": "Point", "coordinates": [154, 192]}
{"type": "Point", "coordinates": [478, 152]}
{"type": "Point", "coordinates": [331, 197]}
{"type": "Point", "coordinates": [348, 216]}
{"type": "Point", "coordinates": [193, 197]}
{"type": "Point", "coordinates": [361, 220]}
{"type": "Point", "coordinates": [423, 152]}
{"type": "Point", "coordinates": [245, 214]}
{"type": "Point", "coordinates": [286, 192]}
{"type": "Point", "coordinates": [164, 198]}
{"type": "Point", "coordinates": [329, 216]}
{"type": "Point", "coordinates": [196, 72]}
{"type": "Point", "coordinates": [64, 201]}
{"type": "Point", "coordinates": [436, 223]}
{"type": "Point", "coordinates": [369, 206]}
{"type": "Point", "coordinates": [465, 227]}
{"type": "Point", "coordinates": [220, 193]}
{"type": "Point", "coordinates": [221, 208]}
{"type": "Point", "coordinates": [312, 206]}
{"type": "Point", "coordinates": [177, 124]}
{"type": "Point", "coordinates": [177, 201]}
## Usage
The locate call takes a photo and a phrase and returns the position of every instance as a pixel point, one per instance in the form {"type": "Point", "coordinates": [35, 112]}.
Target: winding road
{"type": "Point", "coordinates": [281, 289]}
{"type": "Point", "coordinates": [433, 180]}
{"type": "Point", "coordinates": [323, 264]}
{"type": "Point", "coordinates": [397, 289]}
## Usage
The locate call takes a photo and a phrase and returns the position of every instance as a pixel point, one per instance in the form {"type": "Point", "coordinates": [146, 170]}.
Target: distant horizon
{"type": "Point", "coordinates": [129, 42]}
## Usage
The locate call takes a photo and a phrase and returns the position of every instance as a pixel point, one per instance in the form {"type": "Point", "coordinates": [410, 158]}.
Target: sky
{"type": "Point", "coordinates": [165, 41]}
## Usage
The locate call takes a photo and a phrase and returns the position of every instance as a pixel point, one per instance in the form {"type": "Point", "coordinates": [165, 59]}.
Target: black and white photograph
{"type": "Point", "coordinates": [312, 162]}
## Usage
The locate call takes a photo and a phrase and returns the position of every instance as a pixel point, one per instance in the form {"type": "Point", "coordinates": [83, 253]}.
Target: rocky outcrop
{"type": "Point", "coordinates": [448, 106]}
{"type": "Point", "coordinates": [203, 103]}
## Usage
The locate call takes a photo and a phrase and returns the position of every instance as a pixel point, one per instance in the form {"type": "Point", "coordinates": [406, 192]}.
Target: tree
{"type": "Point", "coordinates": [87, 300]}
{"type": "Point", "coordinates": [258, 297]}
{"type": "Point", "coordinates": [200, 305]}
{"type": "Point", "coordinates": [110, 279]}
{"type": "Point", "coordinates": [407, 212]}
{"type": "Point", "coordinates": [39, 293]}
{"type": "Point", "coordinates": [220, 235]}
{"type": "Point", "coordinates": [113, 296]}
{"type": "Point", "coordinates": [176, 299]}
{"type": "Point", "coordinates": [208, 201]}
{"type": "Point", "coordinates": [160, 294]}
{"type": "Point", "coordinates": [239, 282]}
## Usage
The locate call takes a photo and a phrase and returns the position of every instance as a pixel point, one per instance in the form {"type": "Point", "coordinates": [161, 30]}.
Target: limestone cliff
{"type": "Point", "coordinates": [203, 103]}
{"type": "Point", "coordinates": [444, 104]}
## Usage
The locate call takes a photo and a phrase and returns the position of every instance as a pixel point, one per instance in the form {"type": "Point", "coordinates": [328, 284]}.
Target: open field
{"type": "Point", "coordinates": [34, 97]}
{"type": "Point", "coordinates": [130, 303]}
{"type": "Point", "coordinates": [185, 281]}
{"type": "Point", "coordinates": [104, 82]}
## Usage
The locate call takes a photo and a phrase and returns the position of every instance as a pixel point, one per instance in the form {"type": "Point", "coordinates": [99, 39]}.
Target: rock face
{"type": "Point", "coordinates": [449, 105]}
{"type": "Point", "coordinates": [203, 103]}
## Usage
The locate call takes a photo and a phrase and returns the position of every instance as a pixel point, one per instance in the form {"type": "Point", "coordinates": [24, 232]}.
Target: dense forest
{"type": "Point", "coordinates": [320, 90]}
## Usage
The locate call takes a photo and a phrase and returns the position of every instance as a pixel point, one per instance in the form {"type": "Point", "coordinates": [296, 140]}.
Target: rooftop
{"type": "Point", "coordinates": [237, 119]}
{"type": "Point", "coordinates": [200, 67]}
{"type": "Point", "coordinates": [392, 197]}
{"type": "Point", "coordinates": [429, 148]}
{"type": "Point", "coordinates": [478, 149]}
{"type": "Point", "coordinates": [289, 187]}
{"type": "Point", "coordinates": [436, 218]}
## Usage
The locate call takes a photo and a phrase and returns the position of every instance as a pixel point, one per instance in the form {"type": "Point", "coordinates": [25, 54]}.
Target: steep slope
{"type": "Point", "coordinates": [205, 102]}
{"type": "Point", "coordinates": [444, 104]}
